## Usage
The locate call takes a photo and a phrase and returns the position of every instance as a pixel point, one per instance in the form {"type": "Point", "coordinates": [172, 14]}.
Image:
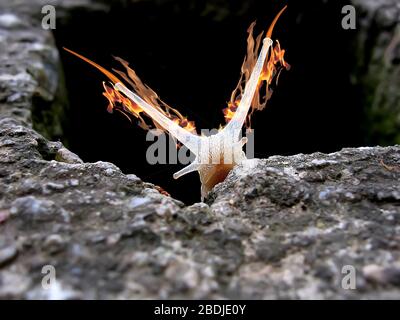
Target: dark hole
{"type": "Point", "coordinates": [190, 53]}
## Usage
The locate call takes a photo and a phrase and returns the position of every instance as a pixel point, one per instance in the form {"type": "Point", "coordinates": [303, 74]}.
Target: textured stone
{"type": "Point", "coordinates": [7, 254]}
{"type": "Point", "coordinates": [377, 71]}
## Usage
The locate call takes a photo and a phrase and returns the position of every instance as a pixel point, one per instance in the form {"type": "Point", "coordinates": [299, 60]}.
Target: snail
{"type": "Point", "coordinates": [217, 154]}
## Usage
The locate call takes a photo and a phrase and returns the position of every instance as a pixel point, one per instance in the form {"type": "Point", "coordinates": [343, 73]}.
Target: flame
{"type": "Point", "coordinates": [271, 70]}
{"type": "Point", "coordinates": [272, 26]}
{"type": "Point", "coordinates": [230, 110]}
{"type": "Point", "coordinates": [186, 124]}
{"type": "Point", "coordinates": [118, 101]}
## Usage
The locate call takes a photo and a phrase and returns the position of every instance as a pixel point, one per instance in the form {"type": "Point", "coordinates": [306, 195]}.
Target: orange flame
{"type": "Point", "coordinates": [272, 68]}
{"type": "Point", "coordinates": [118, 101]}
{"type": "Point", "coordinates": [230, 110]}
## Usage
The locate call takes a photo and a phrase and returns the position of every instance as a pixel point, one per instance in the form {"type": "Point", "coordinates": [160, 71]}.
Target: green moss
{"type": "Point", "coordinates": [49, 111]}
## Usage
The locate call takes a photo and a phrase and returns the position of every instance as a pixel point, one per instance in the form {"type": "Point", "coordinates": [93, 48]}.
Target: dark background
{"type": "Point", "coordinates": [190, 53]}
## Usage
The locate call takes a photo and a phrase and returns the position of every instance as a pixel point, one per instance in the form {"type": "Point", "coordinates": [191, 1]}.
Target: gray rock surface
{"type": "Point", "coordinates": [377, 67]}
{"type": "Point", "coordinates": [282, 227]}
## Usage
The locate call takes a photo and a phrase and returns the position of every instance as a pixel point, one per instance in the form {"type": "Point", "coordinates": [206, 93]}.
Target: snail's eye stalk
{"type": "Point", "coordinates": [217, 154]}
{"type": "Point", "coordinates": [190, 140]}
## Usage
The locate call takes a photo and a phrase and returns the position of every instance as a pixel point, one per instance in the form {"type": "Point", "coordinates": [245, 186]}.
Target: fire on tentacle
{"type": "Point", "coordinates": [261, 67]}
{"type": "Point", "coordinates": [271, 70]}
